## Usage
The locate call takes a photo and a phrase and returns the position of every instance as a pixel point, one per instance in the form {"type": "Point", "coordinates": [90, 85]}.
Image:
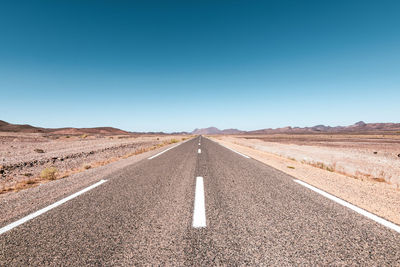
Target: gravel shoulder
{"type": "Point", "coordinates": [379, 198]}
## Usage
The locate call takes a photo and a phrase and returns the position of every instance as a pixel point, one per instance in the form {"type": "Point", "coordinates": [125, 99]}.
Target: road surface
{"type": "Point", "coordinates": [199, 204]}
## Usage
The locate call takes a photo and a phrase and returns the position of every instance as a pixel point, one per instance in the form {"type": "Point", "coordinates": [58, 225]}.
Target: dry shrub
{"type": "Point", "coordinates": [49, 173]}
{"type": "Point", "coordinates": [87, 166]}
{"type": "Point", "coordinates": [30, 181]}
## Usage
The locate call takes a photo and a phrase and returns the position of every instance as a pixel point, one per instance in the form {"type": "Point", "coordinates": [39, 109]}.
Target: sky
{"type": "Point", "coordinates": [179, 65]}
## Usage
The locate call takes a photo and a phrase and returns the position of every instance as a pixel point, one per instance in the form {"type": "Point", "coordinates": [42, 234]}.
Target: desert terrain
{"type": "Point", "coordinates": [359, 156]}
{"type": "Point", "coordinates": [35, 157]}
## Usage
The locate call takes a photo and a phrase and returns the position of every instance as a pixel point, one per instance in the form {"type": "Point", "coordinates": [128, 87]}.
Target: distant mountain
{"type": "Point", "coordinates": [359, 127]}
{"type": "Point", "coordinates": [25, 128]}
{"type": "Point", "coordinates": [209, 130]}
{"type": "Point", "coordinates": [214, 130]}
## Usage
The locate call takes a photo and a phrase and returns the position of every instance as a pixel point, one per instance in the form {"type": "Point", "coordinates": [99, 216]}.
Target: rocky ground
{"type": "Point", "coordinates": [23, 156]}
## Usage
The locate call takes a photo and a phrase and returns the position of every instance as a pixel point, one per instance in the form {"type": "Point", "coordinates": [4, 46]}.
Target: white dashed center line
{"type": "Point", "coordinates": [199, 211]}
{"type": "Point", "coordinates": [199, 151]}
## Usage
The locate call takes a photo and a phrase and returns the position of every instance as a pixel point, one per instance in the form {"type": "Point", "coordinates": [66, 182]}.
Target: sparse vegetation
{"type": "Point", "coordinates": [290, 167]}
{"type": "Point", "coordinates": [83, 136]}
{"type": "Point", "coordinates": [38, 150]}
{"type": "Point", "coordinates": [323, 166]}
{"type": "Point", "coordinates": [31, 181]}
{"type": "Point", "coordinates": [87, 166]}
{"type": "Point", "coordinates": [49, 173]}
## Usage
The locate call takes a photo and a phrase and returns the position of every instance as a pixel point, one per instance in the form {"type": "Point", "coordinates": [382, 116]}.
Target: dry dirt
{"type": "Point", "coordinates": [359, 156]}
{"type": "Point", "coordinates": [23, 156]}
{"type": "Point", "coordinates": [380, 198]}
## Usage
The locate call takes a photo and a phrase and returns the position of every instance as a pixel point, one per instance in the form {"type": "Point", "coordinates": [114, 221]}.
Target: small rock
{"type": "Point", "coordinates": [38, 150]}
{"type": "Point", "coordinates": [398, 155]}
{"type": "Point", "coordinates": [375, 152]}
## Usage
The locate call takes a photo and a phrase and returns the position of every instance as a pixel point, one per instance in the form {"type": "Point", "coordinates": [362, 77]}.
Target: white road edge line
{"type": "Point", "coordinates": [367, 214]}
{"type": "Point", "coordinates": [199, 151]}
{"type": "Point", "coordinates": [46, 209]}
{"type": "Point", "coordinates": [156, 155]}
{"type": "Point", "coordinates": [243, 155]}
{"type": "Point", "coordinates": [199, 211]}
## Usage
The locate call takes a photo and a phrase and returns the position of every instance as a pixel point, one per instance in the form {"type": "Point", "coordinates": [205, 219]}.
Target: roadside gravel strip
{"type": "Point", "coordinates": [183, 208]}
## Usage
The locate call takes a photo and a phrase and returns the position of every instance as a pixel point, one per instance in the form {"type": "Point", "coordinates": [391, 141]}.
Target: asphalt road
{"type": "Point", "coordinates": [255, 215]}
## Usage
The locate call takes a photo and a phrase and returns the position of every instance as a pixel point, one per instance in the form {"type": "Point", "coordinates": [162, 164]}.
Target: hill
{"type": "Point", "coordinates": [26, 128]}
{"type": "Point", "coordinates": [214, 130]}
{"type": "Point", "coordinates": [359, 127]}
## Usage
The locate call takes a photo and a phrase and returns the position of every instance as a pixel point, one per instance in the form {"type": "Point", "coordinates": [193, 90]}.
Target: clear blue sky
{"type": "Point", "coordinates": [178, 65]}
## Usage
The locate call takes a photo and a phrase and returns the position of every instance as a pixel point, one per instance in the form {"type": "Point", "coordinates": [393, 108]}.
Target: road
{"type": "Point", "coordinates": [247, 213]}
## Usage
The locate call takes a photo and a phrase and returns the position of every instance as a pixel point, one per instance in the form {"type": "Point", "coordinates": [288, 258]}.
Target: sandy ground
{"type": "Point", "coordinates": [23, 156]}
{"type": "Point", "coordinates": [363, 157]}
{"type": "Point", "coordinates": [379, 198]}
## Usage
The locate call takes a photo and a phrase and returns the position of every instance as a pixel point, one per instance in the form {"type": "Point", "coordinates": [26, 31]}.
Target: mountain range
{"type": "Point", "coordinates": [26, 128]}
{"type": "Point", "coordinates": [359, 127]}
